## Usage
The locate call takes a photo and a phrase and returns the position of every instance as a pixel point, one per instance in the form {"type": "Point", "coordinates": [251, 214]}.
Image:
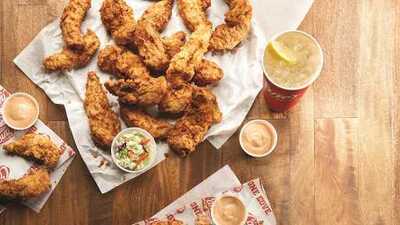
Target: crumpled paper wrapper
{"type": "Point", "coordinates": [235, 93]}
{"type": "Point", "coordinates": [14, 167]}
{"type": "Point", "coordinates": [199, 200]}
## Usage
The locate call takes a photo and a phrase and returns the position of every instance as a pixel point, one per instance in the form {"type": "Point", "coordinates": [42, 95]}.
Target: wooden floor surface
{"type": "Point", "coordinates": [337, 161]}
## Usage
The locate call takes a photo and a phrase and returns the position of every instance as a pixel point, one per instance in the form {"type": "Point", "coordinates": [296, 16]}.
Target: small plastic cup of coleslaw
{"type": "Point", "coordinates": [133, 150]}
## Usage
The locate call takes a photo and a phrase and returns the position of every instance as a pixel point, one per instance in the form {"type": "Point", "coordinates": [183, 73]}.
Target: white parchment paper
{"type": "Point", "coordinates": [235, 93]}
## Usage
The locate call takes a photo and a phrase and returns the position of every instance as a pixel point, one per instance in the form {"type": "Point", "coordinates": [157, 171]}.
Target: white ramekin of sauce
{"type": "Point", "coordinates": [258, 138]}
{"type": "Point", "coordinates": [20, 111]}
{"type": "Point", "coordinates": [229, 209]}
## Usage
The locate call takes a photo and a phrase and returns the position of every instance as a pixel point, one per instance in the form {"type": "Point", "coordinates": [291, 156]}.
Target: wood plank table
{"type": "Point", "coordinates": [337, 161]}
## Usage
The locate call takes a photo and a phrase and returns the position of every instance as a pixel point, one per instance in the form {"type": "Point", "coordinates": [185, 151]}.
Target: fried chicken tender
{"type": "Point", "coordinates": [118, 19]}
{"type": "Point", "coordinates": [236, 28]}
{"type": "Point", "coordinates": [174, 43]}
{"type": "Point", "coordinates": [193, 13]}
{"type": "Point", "coordinates": [35, 146]}
{"type": "Point", "coordinates": [103, 121]}
{"type": "Point", "coordinates": [33, 184]}
{"type": "Point", "coordinates": [121, 63]}
{"type": "Point", "coordinates": [182, 66]}
{"type": "Point", "coordinates": [71, 20]}
{"type": "Point", "coordinates": [176, 100]}
{"type": "Point", "coordinates": [137, 117]}
{"type": "Point", "coordinates": [158, 14]}
{"type": "Point", "coordinates": [143, 91]}
{"type": "Point", "coordinates": [69, 59]}
{"type": "Point", "coordinates": [207, 73]}
{"type": "Point", "coordinates": [189, 131]}
{"type": "Point", "coordinates": [150, 46]}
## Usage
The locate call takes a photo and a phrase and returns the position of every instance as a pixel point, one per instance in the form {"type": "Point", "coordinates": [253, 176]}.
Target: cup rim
{"type": "Point", "coordinates": [274, 134]}
{"type": "Point", "coordinates": [35, 102]}
{"type": "Point", "coordinates": [229, 194]}
{"type": "Point", "coordinates": [152, 155]}
{"type": "Point", "coordinates": [315, 76]}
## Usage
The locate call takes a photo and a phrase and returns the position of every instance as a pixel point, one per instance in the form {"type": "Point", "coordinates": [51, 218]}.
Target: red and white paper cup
{"type": "Point", "coordinates": [280, 98]}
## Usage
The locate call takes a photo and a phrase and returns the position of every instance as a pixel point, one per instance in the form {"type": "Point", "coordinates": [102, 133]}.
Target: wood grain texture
{"type": "Point", "coordinates": [337, 161]}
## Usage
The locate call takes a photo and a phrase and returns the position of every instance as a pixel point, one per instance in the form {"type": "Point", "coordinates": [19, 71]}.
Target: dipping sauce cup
{"type": "Point", "coordinates": [229, 209]}
{"type": "Point", "coordinates": [292, 62]}
{"type": "Point", "coordinates": [20, 111]}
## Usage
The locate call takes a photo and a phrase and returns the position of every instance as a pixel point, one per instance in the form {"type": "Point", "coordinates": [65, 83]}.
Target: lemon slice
{"type": "Point", "coordinates": [283, 52]}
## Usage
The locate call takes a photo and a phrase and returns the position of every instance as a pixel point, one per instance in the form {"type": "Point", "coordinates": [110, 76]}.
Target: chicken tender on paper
{"type": "Point", "coordinates": [150, 46]}
{"type": "Point", "coordinates": [193, 13]}
{"type": "Point", "coordinates": [33, 184]}
{"type": "Point", "coordinates": [103, 121]}
{"type": "Point", "coordinates": [174, 43]}
{"type": "Point", "coordinates": [121, 63]}
{"type": "Point", "coordinates": [176, 100]}
{"type": "Point", "coordinates": [170, 222]}
{"type": "Point", "coordinates": [137, 117]}
{"type": "Point", "coordinates": [144, 92]}
{"type": "Point", "coordinates": [236, 28]}
{"type": "Point", "coordinates": [182, 66]}
{"type": "Point", "coordinates": [190, 130]}
{"type": "Point", "coordinates": [35, 146]}
{"type": "Point", "coordinates": [118, 19]}
{"type": "Point", "coordinates": [207, 73]}
{"type": "Point", "coordinates": [69, 59]}
{"type": "Point", "coordinates": [71, 20]}
{"type": "Point", "coordinates": [158, 14]}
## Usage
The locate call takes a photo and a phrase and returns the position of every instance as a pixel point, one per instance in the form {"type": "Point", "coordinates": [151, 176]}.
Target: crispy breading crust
{"type": "Point", "coordinates": [150, 46]}
{"type": "Point", "coordinates": [193, 13]}
{"type": "Point", "coordinates": [182, 66]}
{"type": "Point", "coordinates": [121, 63]}
{"type": "Point", "coordinates": [33, 184]}
{"type": "Point", "coordinates": [69, 59]}
{"type": "Point", "coordinates": [35, 146]}
{"type": "Point", "coordinates": [176, 100]}
{"type": "Point", "coordinates": [158, 14]}
{"type": "Point", "coordinates": [141, 91]}
{"type": "Point", "coordinates": [137, 117]}
{"type": "Point", "coordinates": [189, 131]}
{"type": "Point", "coordinates": [118, 19]}
{"type": "Point", "coordinates": [71, 20]}
{"type": "Point", "coordinates": [103, 121]}
{"type": "Point", "coordinates": [207, 73]}
{"type": "Point", "coordinates": [174, 43]}
{"type": "Point", "coordinates": [236, 28]}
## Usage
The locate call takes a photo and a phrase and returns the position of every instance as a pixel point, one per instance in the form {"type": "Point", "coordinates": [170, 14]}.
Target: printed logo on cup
{"type": "Point", "coordinates": [4, 172]}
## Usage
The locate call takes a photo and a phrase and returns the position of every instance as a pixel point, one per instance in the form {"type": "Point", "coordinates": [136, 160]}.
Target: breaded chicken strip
{"type": "Point", "coordinates": [174, 43]}
{"type": "Point", "coordinates": [137, 117]}
{"type": "Point", "coordinates": [118, 19]}
{"type": "Point", "coordinates": [150, 46]}
{"type": "Point", "coordinates": [71, 20]}
{"type": "Point", "coordinates": [121, 63]}
{"type": "Point", "coordinates": [141, 91]}
{"type": "Point", "coordinates": [33, 184]}
{"type": "Point", "coordinates": [35, 146]}
{"type": "Point", "coordinates": [207, 73]}
{"type": "Point", "coordinates": [193, 13]}
{"type": "Point", "coordinates": [158, 14]}
{"type": "Point", "coordinates": [69, 59]}
{"type": "Point", "coordinates": [103, 121]}
{"type": "Point", "coordinates": [182, 66]}
{"type": "Point", "coordinates": [177, 99]}
{"type": "Point", "coordinates": [189, 131]}
{"type": "Point", "coordinates": [236, 28]}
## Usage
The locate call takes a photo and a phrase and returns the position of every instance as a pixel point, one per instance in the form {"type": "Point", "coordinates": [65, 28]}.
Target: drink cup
{"type": "Point", "coordinates": [280, 98]}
